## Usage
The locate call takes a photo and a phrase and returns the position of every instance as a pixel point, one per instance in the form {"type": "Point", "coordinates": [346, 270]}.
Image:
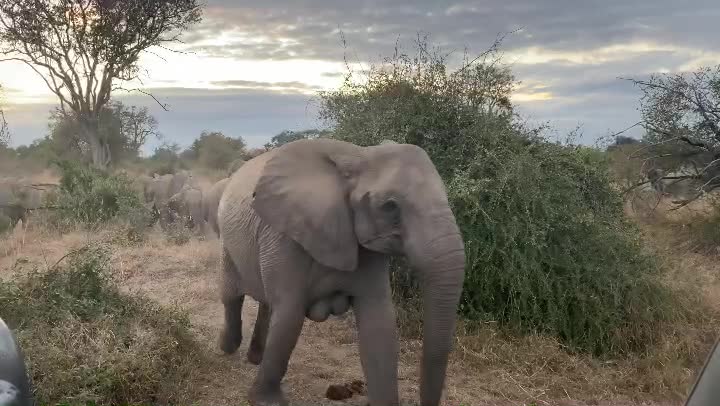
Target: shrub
{"type": "Point", "coordinates": [550, 251]}
{"type": "Point", "coordinates": [547, 245]}
{"type": "Point", "coordinates": [91, 196]}
{"type": "Point", "coordinates": [85, 341]}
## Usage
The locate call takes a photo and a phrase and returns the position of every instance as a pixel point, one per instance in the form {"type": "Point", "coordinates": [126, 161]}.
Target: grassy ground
{"type": "Point", "coordinates": [487, 367]}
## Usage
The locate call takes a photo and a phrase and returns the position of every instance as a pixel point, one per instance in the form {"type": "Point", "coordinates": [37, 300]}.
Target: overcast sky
{"type": "Point", "coordinates": [256, 66]}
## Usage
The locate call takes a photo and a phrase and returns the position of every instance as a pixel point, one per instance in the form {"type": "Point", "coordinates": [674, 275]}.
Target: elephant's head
{"type": "Point", "coordinates": [334, 197]}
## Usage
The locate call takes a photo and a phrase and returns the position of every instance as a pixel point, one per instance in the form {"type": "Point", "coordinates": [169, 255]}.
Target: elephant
{"type": "Point", "coordinates": [655, 176]}
{"type": "Point", "coordinates": [211, 199]}
{"type": "Point", "coordinates": [156, 192]}
{"type": "Point", "coordinates": [18, 197]}
{"type": "Point", "coordinates": [143, 184]}
{"type": "Point", "coordinates": [187, 204]}
{"type": "Point", "coordinates": [162, 187]}
{"type": "Point", "coordinates": [180, 179]}
{"type": "Point", "coordinates": [308, 229]}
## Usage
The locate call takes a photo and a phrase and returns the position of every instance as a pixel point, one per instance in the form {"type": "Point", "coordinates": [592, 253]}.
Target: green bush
{"type": "Point", "coordinates": [85, 341]}
{"type": "Point", "coordinates": [549, 249]}
{"type": "Point", "coordinates": [547, 245]}
{"type": "Point", "coordinates": [91, 196]}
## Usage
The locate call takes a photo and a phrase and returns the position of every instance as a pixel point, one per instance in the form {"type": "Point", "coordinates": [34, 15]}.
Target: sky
{"type": "Point", "coordinates": [253, 69]}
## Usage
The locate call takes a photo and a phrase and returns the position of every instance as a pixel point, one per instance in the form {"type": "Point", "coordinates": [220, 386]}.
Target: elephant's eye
{"type": "Point", "coordinates": [392, 210]}
{"type": "Point", "coordinates": [390, 206]}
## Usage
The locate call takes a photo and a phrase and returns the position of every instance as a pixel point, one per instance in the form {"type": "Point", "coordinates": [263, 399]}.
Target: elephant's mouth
{"type": "Point", "coordinates": [389, 243]}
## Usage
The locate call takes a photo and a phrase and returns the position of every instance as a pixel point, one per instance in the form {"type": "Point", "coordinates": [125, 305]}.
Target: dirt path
{"type": "Point", "coordinates": [325, 354]}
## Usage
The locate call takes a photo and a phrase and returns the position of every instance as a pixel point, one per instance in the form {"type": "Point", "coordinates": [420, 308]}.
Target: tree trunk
{"type": "Point", "coordinates": [99, 148]}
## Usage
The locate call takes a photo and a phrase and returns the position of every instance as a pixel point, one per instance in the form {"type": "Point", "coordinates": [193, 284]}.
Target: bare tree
{"type": "Point", "coordinates": [82, 48]}
{"type": "Point", "coordinates": [4, 132]}
{"type": "Point", "coordinates": [681, 116]}
{"type": "Point", "coordinates": [136, 125]}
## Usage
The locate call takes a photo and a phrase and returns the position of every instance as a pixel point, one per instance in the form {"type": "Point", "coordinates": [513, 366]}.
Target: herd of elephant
{"type": "Point", "coordinates": [179, 198]}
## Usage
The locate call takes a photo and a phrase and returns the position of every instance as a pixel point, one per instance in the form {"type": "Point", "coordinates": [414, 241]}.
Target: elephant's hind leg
{"type": "Point", "coordinates": [232, 299]}
{"type": "Point", "coordinates": [257, 344]}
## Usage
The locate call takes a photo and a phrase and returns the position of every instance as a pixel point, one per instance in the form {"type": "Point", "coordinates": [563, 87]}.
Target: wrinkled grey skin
{"type": "Point", "coordinates": [235, 165]}
{"type": "Point", "coordinates": [211, 200]}
{"type": "Point", "coordinates": [187, 206]}
{"type": "Point", "coordinates": [308, 230]}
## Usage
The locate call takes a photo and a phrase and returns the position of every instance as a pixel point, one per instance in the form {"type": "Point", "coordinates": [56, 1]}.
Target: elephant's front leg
{"type": "Point", "coordinates": [286, 322]}
{"type": "Point", "coordinates": [377, 331]}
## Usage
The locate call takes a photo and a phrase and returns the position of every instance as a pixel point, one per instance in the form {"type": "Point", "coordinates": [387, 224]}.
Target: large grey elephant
{"type": "Point", "coordinates": [308, 229]}
{"type": "Point", "coordinates": [211, 199]}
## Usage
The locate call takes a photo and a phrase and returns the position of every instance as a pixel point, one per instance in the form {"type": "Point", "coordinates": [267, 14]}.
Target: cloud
{"type": "Point", "coordinates": [310, 28]}
{"type": "Point", "coordinates": [254, 61]}
{"type": "Point", "coordinates": [254, 114]}
{"type": "Point", "coordinates": [285, 87]}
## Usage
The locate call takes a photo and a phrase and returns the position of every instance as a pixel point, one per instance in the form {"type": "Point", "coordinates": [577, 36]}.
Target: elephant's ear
{"type": "Point", "coordinates": [303, 194]}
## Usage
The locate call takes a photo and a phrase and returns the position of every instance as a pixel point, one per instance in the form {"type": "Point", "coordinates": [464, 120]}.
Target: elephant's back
{"type": "Point", "coordinates": [242, 182]}
{"type": "Point", "coordinates": [236, 198]}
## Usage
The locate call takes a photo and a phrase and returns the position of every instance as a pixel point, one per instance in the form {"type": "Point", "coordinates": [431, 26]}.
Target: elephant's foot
{"type": "Point", "coordinates": [254, 356]}
{"type": "Point", "coordinates": [267, 397]}
{"type": "Point", "coordinates": [229, 341]}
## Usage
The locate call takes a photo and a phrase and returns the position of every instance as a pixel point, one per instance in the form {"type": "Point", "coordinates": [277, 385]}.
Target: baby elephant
{"type": "Point", "coordinates": [308, 230]}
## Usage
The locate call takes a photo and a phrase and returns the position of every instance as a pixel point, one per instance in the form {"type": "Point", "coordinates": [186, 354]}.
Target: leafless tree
{"type": "Point", "coordinates": [136, 125]}
{"type": "Point", "coordinates": [680, 113]}
{"type": "Point", "coordinates": [84, 49]}
{"type": "Point", "coordinates": [4, 132]}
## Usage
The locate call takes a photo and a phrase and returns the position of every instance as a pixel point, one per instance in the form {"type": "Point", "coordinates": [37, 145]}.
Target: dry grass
{"type": "Point", "coordinates": [84, 340]}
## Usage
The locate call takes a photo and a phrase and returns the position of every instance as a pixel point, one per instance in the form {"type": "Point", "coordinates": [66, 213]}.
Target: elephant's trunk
{"type": "Point", "coordinates": [438, 256]}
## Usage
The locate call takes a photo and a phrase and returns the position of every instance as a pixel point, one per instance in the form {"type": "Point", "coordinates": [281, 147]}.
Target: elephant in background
{"type": "Point", "coordinates": [308, 230]}
{"type": "Point", "coordinates": [143, 184]}
{"type": "Point", "coordinates": [18, 197]}
{"type": "Point", "coordinates": [211, 200]}
{"type": "Point", "coordinates": [186, 206]}
{"type": "Point", "coordinates": [161, 188]}
{"type": "Point", "coordinates": [180, 179]}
